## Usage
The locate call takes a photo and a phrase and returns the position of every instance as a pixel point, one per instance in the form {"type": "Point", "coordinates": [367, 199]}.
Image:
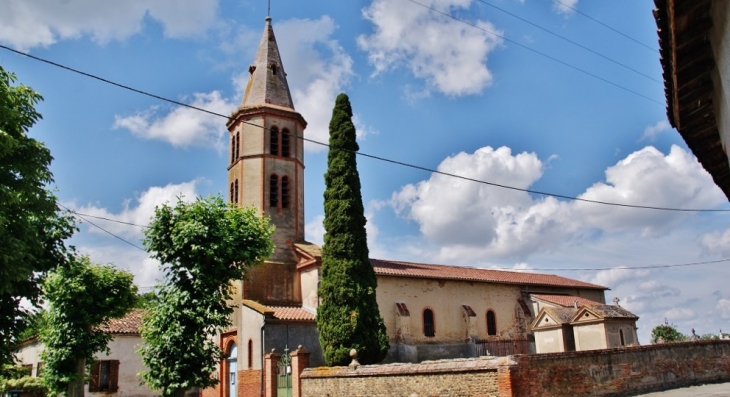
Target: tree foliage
{"type": "Point", "coordinates": [203, 246]}
{"type": "Point", "coordinates": [666, 333]}
{"type": "Point", "coordinates": [13, 377]}
{"type": "Point", "coordinates": [32, 228]}
{"type": "Point", "coordinates": [348, 317]}
{"type": "Point", "coordinates": [82, 297]}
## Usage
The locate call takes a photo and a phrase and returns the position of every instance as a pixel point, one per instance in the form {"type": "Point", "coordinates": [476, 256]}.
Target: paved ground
{"type": "Point", "coordinates": [715, 390]}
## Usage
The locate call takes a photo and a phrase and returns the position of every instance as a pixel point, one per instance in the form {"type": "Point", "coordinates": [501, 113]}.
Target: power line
{"type": "Point", "coordinates": [105, 219]}
{"type": "Point", "coordinates": [401, 163]}
{"type": "Point", "coordinates": [572, 42]}
{"type": "Point", "coordinates": [606, 26]}
{"type": "Point", "coordinates": [552, 58]}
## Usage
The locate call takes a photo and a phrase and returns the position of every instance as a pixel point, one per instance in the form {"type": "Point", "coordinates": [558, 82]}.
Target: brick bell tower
{"type": "Point", "coordinates": [266, 170]}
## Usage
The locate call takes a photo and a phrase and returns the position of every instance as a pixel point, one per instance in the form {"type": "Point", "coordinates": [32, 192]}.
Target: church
{"type": "Point", "coordinates": [430, 311]}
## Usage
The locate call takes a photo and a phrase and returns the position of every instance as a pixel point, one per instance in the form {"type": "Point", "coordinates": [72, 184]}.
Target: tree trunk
{"type": "Point", "coordinates": [178, 393]}
{"type": "Point", "coordinates": [76, 386]}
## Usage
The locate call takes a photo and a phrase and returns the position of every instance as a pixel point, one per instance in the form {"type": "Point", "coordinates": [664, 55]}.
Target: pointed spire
{"type": "Point", "coordinates": [267, 81]}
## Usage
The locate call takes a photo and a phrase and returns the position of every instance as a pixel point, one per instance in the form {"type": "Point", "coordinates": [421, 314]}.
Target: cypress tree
{"type": "Point", "coordinates": [348, 317]}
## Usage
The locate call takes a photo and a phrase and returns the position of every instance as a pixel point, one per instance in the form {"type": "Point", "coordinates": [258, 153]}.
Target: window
{"type": "Point", "coordinates": [104, 376]}
{"type": "Point", "coordinates": [250, 353]}
{"type": "Point", "coordinates": [238, 144]}
{"type": "Point", "coordinates": [285, 143]}
{"type": "Point", "coordinates": [28, 369]}
{"type": "Point", "coordinates": [621, 335]}
{"type": "Point", "coordinates": [233, 149]}
{"type": "Point", "coordinates": [491, 323]}
{"type": "Point", "coordinates": [274, 141]}
{"type": "Point", "coordinates": [231, 194]}
{"type": "Point", "coordinates": [428, 326]}
{"type": "Point", "coordinates": [39, 369]}
{"type": "Point", "coordinates": [284, 192]}
{"type": "Point", "coordinates": [235, 191]}
{"type": "Point", "coordinates": [274, 191]}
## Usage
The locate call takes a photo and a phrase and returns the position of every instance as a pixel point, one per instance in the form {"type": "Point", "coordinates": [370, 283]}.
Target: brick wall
{"type": "Point", "coordinates": [618, 372]}
{"type": "Point", "coordinates": [249, 383]}
{"type": "Point", "coordinates": [609, 373]}
{"type": "Point", "coordinates": [459, 377]}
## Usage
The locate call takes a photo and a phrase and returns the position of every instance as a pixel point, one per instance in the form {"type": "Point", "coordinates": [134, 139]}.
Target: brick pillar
{"type": "Point", "coordinates": [299, 361]}
{"type": "Point", "coordinates": [504, 380]}
{"type": "Point", "coordinates": [271, 360]}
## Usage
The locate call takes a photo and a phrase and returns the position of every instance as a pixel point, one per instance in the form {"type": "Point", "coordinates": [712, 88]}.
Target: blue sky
{"type": "Point", "coordinates": [561, 104]}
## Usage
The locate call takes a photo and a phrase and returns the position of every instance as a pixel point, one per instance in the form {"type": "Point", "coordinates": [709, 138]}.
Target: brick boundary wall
{"type": "Point", "coordinates": [620, 372]}
{"type": "Point", "coordinates": [444, 378]}
{"type": "Point", "coordinates": [606, 373]}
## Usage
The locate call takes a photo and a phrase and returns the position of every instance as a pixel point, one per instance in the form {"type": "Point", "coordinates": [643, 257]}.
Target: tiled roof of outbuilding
{"type": "Point", "coordinates": [292, 313]}
{"type": "Point", "coordinates": [129, 324]}
{"type": "Point", "coordinates": [565, 300]}
{"type": "Point", "coordinates": [422, 270]}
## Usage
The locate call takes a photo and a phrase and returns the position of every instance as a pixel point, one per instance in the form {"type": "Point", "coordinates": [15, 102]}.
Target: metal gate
{"type": "Point", "coordinates": [283, 375]}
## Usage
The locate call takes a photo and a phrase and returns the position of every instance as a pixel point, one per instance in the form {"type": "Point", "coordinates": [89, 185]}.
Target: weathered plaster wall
{"type": "Point", "coordinates": [309, 280]}
{"type": "Point", "coordinates": [549, 341]}
{"type": "Point", "coordinates": [589, 336]}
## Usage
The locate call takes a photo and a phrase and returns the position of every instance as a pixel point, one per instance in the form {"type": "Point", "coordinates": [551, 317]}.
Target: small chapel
{"type": "Point", "coordinates": [430, 311]}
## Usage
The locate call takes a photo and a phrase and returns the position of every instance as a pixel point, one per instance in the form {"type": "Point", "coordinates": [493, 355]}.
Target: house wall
{"type": "Point", "coordinates": [122, 348]}
{"type": "Point", "coordinates": [613, 334]}
{"type": "Point", "coordinates": [720, 39]}
{"type": "Point", "coordinates": [589, 336]}
{"type": "Point", "coordinates": [549, 341]}
{"type": "Point", "coordinates": [309, 280]}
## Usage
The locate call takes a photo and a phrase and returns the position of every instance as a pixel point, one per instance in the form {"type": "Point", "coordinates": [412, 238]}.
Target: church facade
{"type": "Point", "coordinates": [430, 311]}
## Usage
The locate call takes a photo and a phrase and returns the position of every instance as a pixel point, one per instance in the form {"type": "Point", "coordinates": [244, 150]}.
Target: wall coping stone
{"type": "Point", "coordinates": [486, 363]}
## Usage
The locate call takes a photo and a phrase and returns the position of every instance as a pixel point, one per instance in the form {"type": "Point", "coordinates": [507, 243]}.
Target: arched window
{"type": "Point", "coordinates": [491, 323]}
{"type": "Point", "coordinates": [284, 192]}
{"type": "Point", "coordinates": [231, 193]}
{"type": "Point", "coordinates": [621, 335]}
{"type": "Point", "coordinates": [274, 191]}
{"type": "Point", "coordinates": [235, 190]}
{"type": "Point", "coordinates": [233, 149]}
{"type": "Point", "coordinates": [285, 143]}
{"type": "Point", "coordinates": [428, 326]}
{"type": "Point", "coordinates": [274, 141]}
{"type": "Point", "coordinates": [238, 144]}
{"type": "Point", "coordinates": [250, 353]}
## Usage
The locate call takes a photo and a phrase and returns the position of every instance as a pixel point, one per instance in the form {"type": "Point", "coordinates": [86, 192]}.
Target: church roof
{"type": "Point", "coordinates": [422, 270]}
{"type": "Point", "coordinates": [565, 300]}
{"type": "Point", "coordinates": [267, 83]}
{"type": "Point", "coordinates": [286, 313]}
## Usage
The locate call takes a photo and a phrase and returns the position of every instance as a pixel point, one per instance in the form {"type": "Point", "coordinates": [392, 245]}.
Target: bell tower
{"type": "Point", "coordinates": [266, 169]}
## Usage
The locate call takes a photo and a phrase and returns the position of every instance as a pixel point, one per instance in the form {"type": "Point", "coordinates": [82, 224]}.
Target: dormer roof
{"type": "Point", "coordinates": [267, 83]}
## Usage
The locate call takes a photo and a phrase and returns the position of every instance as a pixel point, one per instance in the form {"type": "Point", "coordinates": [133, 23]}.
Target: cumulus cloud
{"type": "Point", "coordinates": [652, 132]}
{"type": "Point", "coordinates": [680, 314]}
{"type": "Point", "coordinates": [449, 55]}
{"type": "Point", "coordinates": [138, 211]}
{"type": "Point", "coordinates": [616, 276]}
{"type": "Point", "coordinates": [723, 306]}
{"type": "Point", "coordinates": [183, 127]}
{"type": "Point", "coordinates": [146, 270]}
{"type": "Point", "coordinates": [468, 221]}
{"type": "Point", "coordinates": [716, 243]}
{"type": "Point", "coordinates": [565, 7]}
{"type": "Point", "coordinates": [25, 24]}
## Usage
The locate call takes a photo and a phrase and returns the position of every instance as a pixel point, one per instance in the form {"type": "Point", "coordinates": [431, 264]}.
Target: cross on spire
{"type": "Point", "coordinates": [268, 9]}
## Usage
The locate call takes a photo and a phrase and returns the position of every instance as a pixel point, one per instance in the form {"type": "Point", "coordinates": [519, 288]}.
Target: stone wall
{"type": "Point", "coordinates": [459, 377]}
{"type": "Point", "coordinates": [611, 372]}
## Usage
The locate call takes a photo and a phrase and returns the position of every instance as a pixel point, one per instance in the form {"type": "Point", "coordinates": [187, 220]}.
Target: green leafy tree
{"type": "Point", "coordinates": [32, 228]}
{"type": "Point", "coordinates": [14, 377]}
{"type": "Point", "coordinates": [82, 298]}
{"type": "Point", "coordinates": [203, 246]}
{"type": "Point", "coordinates": [666, 333]}
{"type": "Point", "coordinates": [348, 317]}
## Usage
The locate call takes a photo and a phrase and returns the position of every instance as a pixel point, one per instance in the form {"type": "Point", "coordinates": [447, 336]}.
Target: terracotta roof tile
{"type": "Point", "coordinates": [129, 324]}
{"type": "Point", "coordinates": [292, 313]}
{"type": "Point", "coordinates": [565, 300]}
{"type": "Point", "coordinates": [422, 270]}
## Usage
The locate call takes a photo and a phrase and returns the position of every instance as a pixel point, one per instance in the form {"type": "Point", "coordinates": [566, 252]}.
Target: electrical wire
{"type": "Point", "coordinates": [572, 42]}
{"type": "Point", "coordinates": [110, 233]}
{"type": "Point", "coordinates": [552, 58]}
{"type": "Point", "coordinates": [607, 26]}
{"type": "Point", "coordinates": [379, 158]}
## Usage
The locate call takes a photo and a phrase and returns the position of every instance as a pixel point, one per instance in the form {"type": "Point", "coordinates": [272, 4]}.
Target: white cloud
{"type": "Point", "coordinates": [652, 132]}
{"type": "Point", "coordinates": [723, 306]}
{"type": "Point", "coordinates": [449, 55]}
{"type": "Point", "coordinates": [25, 24]}
{"type": "Point", "coordinates": [314, 230]}
{"type": "Point", "coordinates": [565, 7]}
{"type": "Point", "coordinates": [138, 211]}
{"type": "Point", "coordinates": [717, 242]}
{"type": "Point", "coordinates": [465, 221]}
{"type": "Point", "coordinates": [614, 277]}
{"type": "Point", "coordinates": [680, 314]}
{"type": "Point", "coordinates": [183, 126]}
{"type": "Point", "coordinates": [146, 270]}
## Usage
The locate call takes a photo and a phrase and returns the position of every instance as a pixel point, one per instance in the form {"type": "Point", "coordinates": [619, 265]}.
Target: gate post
{"type": "Point", "coordinates": [299, 361]}
{"type": "Point", "coordinates": [271, 361]}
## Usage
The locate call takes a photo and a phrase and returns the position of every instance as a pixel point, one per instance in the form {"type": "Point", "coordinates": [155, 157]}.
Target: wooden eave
{"type": "Point", "coordinates": [688, 63]}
